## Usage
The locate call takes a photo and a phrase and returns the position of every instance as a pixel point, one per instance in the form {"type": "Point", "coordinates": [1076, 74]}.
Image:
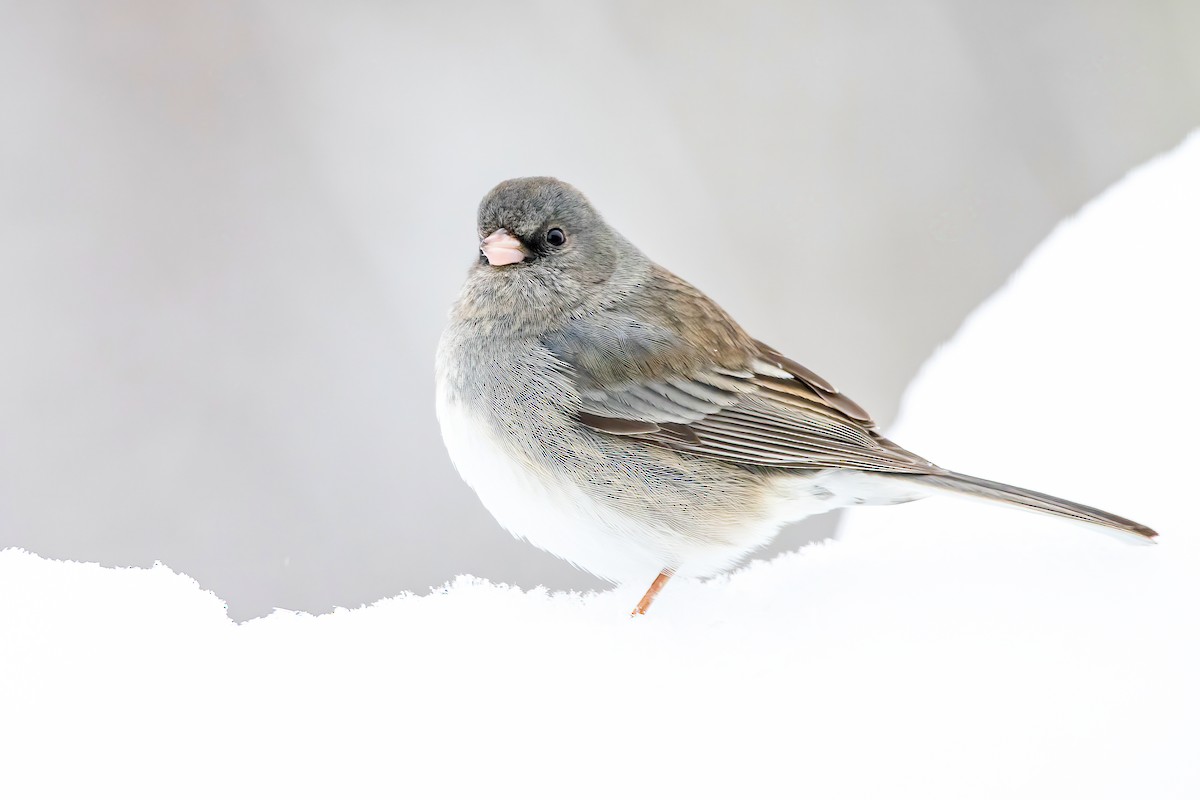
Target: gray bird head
{"type": "Point", "coordinates": [544, 252]}
{"type": "Point", "coordinates": [544, 223]}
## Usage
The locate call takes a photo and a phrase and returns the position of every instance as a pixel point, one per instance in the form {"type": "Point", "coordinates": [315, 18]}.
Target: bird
{"type": "Point", "coordinates": [609, 412]}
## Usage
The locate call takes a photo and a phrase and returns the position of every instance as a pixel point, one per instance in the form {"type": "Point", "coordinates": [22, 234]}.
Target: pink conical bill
{"type": "Point", "coordinates": [502, 248]}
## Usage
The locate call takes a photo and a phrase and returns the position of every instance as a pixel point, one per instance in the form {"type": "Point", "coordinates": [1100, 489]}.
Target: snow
{"type": "Point", "coordinates": [937, 649]}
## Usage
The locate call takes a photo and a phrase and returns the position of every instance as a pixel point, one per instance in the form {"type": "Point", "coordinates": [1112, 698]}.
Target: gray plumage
{"type": "Point", "coordinates": [614, 415]}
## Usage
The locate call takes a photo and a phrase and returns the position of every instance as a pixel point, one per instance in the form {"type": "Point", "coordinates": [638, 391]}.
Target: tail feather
{"type": "Point", "coordinates": [1034, 501]}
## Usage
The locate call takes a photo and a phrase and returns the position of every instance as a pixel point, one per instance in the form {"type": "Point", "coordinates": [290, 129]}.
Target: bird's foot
{"type": "Point", "coordinates": [652, 592]}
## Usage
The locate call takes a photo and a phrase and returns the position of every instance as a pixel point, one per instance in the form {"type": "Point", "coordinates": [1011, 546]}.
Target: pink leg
{"type": "Point", "coordinates": [652, 592]}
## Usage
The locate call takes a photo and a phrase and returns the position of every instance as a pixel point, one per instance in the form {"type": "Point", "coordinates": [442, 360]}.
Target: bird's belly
{"type": "Point", "coordinates": [545, 509]}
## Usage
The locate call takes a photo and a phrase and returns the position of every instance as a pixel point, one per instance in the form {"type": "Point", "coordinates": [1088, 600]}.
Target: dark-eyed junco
{"type": "Point", "coordinates": [612, 414]}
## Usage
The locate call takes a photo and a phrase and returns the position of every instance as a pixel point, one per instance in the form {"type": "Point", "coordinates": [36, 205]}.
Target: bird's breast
{"type": "Point", "coordinates": [518, 456]}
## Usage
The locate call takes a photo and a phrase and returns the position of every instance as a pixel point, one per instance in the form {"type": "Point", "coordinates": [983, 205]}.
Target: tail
{"type": "Point", "coordinates": [1034, 501]}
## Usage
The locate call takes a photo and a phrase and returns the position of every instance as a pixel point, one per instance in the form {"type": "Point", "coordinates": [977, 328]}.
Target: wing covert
{"type": "Point", "coordinates": [729, 397]}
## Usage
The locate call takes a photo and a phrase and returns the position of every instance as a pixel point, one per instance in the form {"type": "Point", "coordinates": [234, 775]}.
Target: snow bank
{"type": "Point", "coordinates": [939, 649]}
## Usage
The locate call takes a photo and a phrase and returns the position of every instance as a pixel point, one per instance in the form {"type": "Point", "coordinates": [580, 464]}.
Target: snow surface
{"type": "Point", "coordinates": [939, 649]}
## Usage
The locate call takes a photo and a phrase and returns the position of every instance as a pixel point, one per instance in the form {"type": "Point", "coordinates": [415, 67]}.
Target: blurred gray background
{"type": "Point", "coordinates": [229, 234]}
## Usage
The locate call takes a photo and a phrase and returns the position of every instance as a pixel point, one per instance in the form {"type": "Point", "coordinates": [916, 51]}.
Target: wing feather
{"type": "Point", "coordinates": [766, 422]}
{"type": "Point", "coordinates": [727, 397]}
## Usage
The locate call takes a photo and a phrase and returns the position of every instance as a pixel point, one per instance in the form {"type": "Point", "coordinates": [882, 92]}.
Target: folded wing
{"type": "Point", "coordinates": [748, 404]}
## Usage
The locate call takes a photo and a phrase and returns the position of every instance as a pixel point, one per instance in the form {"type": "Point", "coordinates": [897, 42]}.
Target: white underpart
{"type": "Point", "coordinates": [547, 513]}
{"type": "Point", "coordinates": [559, 517]}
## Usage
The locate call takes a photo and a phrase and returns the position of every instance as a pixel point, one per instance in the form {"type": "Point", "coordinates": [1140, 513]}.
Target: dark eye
{"type": "Point", "coordinates": [556, 237]}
